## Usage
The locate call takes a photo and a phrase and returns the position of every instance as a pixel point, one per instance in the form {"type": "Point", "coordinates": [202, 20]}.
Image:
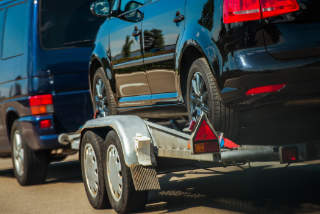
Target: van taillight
{"type": "Point", "coordinates": [247, 10]}
{"type": "Point", "coordinates": [41, 104]}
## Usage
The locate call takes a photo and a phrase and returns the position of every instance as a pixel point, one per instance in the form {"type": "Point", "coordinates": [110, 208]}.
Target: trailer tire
{"type": "Point", "coordinates": [30, 167]}
{"type": "Point", "coordinates": [92, 170]}
{"type": "Point", "coordinates": [124, 199]}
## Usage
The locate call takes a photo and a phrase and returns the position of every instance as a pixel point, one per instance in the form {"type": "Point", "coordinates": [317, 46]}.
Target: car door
{"type": "Point", "coordinates": [127, 56]}
{"type": "Point", "coordinates": [162, 25]}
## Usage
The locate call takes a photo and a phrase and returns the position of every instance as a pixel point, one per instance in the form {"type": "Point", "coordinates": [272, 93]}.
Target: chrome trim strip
{"type": "Point", "coordinates": [158, 58]}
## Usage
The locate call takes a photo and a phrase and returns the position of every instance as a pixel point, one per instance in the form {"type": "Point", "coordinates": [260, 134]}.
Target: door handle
{"type": "Point", "coordinates": [136, 32]}
{"type": "Point", "coordinates": [179, 17]}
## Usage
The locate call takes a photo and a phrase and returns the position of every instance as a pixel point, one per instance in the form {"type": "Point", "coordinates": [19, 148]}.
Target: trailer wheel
{"type": "Point", "coordinates": [122, 195]}
{"type": "Point", "coordinates": [30, 167]}
{"type": "Point", "coordinates": [92, 170]}
{"type": "Point", "coordinates": [104, 103]}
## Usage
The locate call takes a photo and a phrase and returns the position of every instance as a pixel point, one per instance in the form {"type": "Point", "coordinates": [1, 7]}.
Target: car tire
{"type": "Point", "coordinates": [103, 99]}
{"type": "Point", "coordinates": [125, 199]}
{"type": "Point", "coordinates": [30, 167]}
{"type": "Point", "coordinates": [223, 118]}
{"type": "Point", "coordinates": [92, 170]}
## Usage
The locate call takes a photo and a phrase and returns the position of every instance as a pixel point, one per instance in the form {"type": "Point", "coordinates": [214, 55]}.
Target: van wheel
{"type": "Point", "coordinates": [121, 192]}
{"type": "Point", "coordinates": [30, 167]}
{"type": "Point", "coordinates": [92, 170]}
{"type": "Point", "coordinates": [203, 95]}
{"type": "Point", "coordinates": [104, 103]}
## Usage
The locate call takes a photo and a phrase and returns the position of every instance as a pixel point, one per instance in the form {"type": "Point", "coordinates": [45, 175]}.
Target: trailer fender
{"type": "Point", "coordinates": [134, 136]}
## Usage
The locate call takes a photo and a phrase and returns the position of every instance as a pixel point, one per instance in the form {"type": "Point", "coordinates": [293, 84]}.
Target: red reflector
{"type": "Point", "coordinates": [265, 89]}
{"type": "Point", "coordinates": [247, 10]}
{"type": "Point", "coordinates": [40, 100]}
{"type": "Point", "coordinates": [204, 132]}
{"type": "Point", "coordinates": [45, 124]}
{"type": "Point", "coordinates": [278, 7]}
{"type": "Point", "coordinates": [207, 147]}
{"type": "Point", "coordinates": [290, 154]}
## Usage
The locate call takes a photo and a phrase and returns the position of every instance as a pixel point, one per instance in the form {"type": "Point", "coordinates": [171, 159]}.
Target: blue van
{"type": "Point", "coordinates": [45, 46]}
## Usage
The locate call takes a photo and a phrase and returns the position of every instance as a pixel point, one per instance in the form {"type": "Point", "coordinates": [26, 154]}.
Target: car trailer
{"type": "Point", "coordinates": [120, 156]}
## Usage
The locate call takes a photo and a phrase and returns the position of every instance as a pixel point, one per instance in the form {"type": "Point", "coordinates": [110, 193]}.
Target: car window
{"type": "Point", "coordinates": [72, 25]}
{"type": "Point", "coordinates": [14, 31]}
{"type": "Point", "coordinates": [2, 12]}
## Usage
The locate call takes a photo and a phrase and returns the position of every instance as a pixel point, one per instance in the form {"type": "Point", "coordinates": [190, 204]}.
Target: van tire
{"type": "Point", "coordinates": [30, 167]}
{"type": "Point", "coordinates": [222, 117]}
{"type": "Point", "coordinates": [129, 200]}
{"type": "Point", "coordinates": [104, 104]}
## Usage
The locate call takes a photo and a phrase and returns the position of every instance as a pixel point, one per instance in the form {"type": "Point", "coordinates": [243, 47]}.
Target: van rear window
{"type": "Point", "coordinates": [67, 23]}
{"type": "Point", "coordinates": [14, 31]}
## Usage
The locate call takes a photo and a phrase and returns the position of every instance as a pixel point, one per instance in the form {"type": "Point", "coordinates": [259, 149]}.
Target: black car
{"type": "Point", "coordinates": [253, 66]}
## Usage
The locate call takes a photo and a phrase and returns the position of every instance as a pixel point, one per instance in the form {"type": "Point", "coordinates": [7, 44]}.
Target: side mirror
{"type": "Point", "coordinates": [100, 8]}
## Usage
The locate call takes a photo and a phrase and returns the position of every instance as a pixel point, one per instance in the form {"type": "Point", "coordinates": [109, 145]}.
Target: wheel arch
{"type": "Point", "coordinates": [190, 51]}
{"type": "Point", "coordinates": [11, 116]}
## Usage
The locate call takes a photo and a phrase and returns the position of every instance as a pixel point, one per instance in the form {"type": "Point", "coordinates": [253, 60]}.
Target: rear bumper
{"type": "Point", "coordinates": [281, 123]}
{"type": "Point", "coordinates": [36, 138]}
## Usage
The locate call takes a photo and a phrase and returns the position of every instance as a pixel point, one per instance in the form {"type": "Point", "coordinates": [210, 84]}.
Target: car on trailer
{"type": "Point", "coordinates": [251, 65]}
{"type": "Point", "coordinates": [45, 48]}
{"type": "Point", "coordinates": [243, 63]}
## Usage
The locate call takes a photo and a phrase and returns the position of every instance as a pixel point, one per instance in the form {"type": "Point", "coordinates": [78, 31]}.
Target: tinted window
{"type": "Point", "coordinates": [14, 31]}
{"type": "Point", "coordinates": [1, 26]}
{"type": "Point", "coordinates": [66, 23]}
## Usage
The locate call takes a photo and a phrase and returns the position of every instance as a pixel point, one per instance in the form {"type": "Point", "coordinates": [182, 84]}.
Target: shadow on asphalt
{"type": "Point", "coordinates": [255, 190]}
{"type": "Point", "coordinates": [62, 172]}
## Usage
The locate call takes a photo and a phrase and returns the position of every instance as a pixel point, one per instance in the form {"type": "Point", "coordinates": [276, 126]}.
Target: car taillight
{"type": "Point", "coordinates": [278, 7]}
{"type": "Point", "coordinates": [248, 10]}
{"type": "Point", "coordinates": [41, 104]}
{"type": "Point", "coordinates": [241, 10]}
{"type": "Point", "coordinates": [205, 140]}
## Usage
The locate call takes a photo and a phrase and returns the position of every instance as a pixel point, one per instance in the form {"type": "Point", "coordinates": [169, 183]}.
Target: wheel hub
{"type": "Point", "coordinates": [198, 96]}
{"type": "Point", "coordinates": [114, 172]}
{"type": "Point", "coordinates": [18, 153]}
{"type": "Point", "coordinates": [91, 170]}
{"type": "Point", "coordinates": [100, 99]}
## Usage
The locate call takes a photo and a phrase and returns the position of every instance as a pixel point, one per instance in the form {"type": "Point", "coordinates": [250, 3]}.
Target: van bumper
{"type": "Point", "coordinates": [37, 138]}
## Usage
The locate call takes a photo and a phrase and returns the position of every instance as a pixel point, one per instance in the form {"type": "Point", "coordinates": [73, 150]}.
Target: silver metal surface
{"type": "Point", "coordinates": [91, 170]}
{"type": "Point", "coordinates": [126, 126]}
{"type": "Point", "coordinates": [198, 96]}
{"type": "Point", "coordinates": [70, 138]}
{"type": "Point", "coordinates": [114, 173]}
{"type": "Point", "coordinates": [100, 99]}
{"type": "Point", "coordinates": [144, 178]}
{"type": "Point", "coordinates": [18, 153]}
{"type": "Point", "coordinates": [143, 148]}
{"type": "Point", "coordinates": [250, 153]}
{"type": "Point", "coordinates": [175, 144]}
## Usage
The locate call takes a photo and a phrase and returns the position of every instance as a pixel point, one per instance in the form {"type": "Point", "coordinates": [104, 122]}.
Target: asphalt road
{"type": "Point", "coordinates": [264, 188]}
